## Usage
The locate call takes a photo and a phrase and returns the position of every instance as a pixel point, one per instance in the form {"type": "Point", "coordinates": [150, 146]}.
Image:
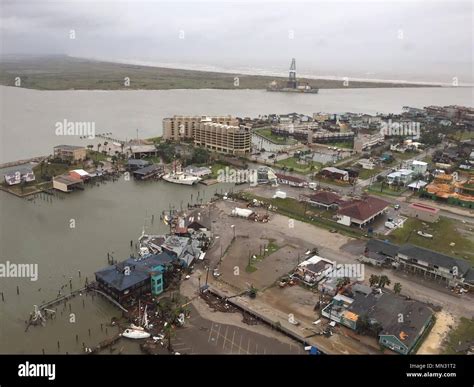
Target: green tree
{"type": "Point", "coordinates": [397, 288]}
{"type": "Point", "coordinates": [384, 281]}
{"type": "Point", "coordinates": [373, 280]}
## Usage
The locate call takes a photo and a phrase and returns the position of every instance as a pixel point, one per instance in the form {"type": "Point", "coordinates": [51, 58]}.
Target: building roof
{"type": "Point", "coordinates": [424, 207]}
{"type": "Point", "coordinates": [325, 197]}
{"type": "Point", "coordinates": [143, 148]}
{"type": "Point", "coordinates": [198, 218]}
{"type": "Point", "coordinates": [148, 169]}
{"type": "Point", "coordinates": [363, 209]}
{"type": "Point", "coordinates": [137, 162]}
{"type": "Point", "coordinates": [382, 247]}
{"type": "Point", "coordinates": [139, 271]}
{"type": "Point", "coordinates": [386, 308]}
{"type": "Point", "coordinates": [316, 264]}
{"type": "Point", "coordinates": [80, 172]}
{"type": "Point", "coordinates": [418, 184]}
{"type": "Point", "coordinates": [69, 147]}
{"type": "Point", "coordinates": [67, 179]}
{"type": "Point", "coordinates": [435, 258]}
{"type": "Point", "coordinates": [334, 170]}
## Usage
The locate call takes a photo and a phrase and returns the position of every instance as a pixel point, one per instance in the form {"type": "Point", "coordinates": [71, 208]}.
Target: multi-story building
{"type": "Point", "coordinates": [183, 127]}
{"type": "Point", "coordinates": [235, 140]}
{"type": "Point", "coordinates": [70, 152]}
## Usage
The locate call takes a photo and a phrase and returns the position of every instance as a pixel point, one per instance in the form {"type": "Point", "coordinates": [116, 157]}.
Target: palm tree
{"type": "Point", "coordinates": [384, 281]}
{"type": "Point", "coordinates": [98, 147]}
{"type": "Point", "coordinates": [397, 288]}
{"type": "Point", "coordinates": [373, 280]}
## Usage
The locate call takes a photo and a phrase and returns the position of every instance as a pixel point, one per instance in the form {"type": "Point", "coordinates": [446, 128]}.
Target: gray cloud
{"type": "Point", "coordinates": [330, 38]}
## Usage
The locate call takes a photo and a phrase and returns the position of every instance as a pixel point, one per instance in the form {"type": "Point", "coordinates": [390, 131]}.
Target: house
{"type": "Point", "coordinates": [313, 270]}
{"type": "Point", "coordinates": [433, 264]}
{"type": "Point", "coordinates": [366, 164]}
{"type": "Point", "coordinates": [196, 221]}
{"type": "Point", "coordinates": [325, 199]}
{"type": "Point", "coordinates": [134, 164]}
{"type": "Point", "coordinates": [67, 183]}
{"type": "Point", "coordinates": [140, 151]}
{"type": "Point", "coordinates": [79, 174]}
{"type": "Point", "coordinates": [378, 252]}
{"type": "Point", "coordinates": [423, 212]}
{"type": "Point", "coordinates": [417, 185]}
{"type": "Point", "coordinates": [292, 181]}
{"type": "Point", "coordinates": [70, 152]}
{"type": "Point", "coordinates": [184, 249]}
{"type": "Point", "coordinates": [418, 167]}
{"type": "Point", "coordinates": [134, 277]}
{"type": "Point", "coordinates": [400, 322]}
{"type": "Point", "coordinates": [20, 175]}
{"type": "Point", "coordinates": [153, 170]}
{"type": "Point", "coordinates": [335, 173]}
{"type": "Point", "coordinates": [402, 176]}
{"type": "Point", "coordinates": [197, 171]}
{"type": "Point", "coordinates": [361, 212]}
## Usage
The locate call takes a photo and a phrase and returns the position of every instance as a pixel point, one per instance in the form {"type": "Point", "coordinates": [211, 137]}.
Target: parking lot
{"type": "Point", "coordinates": [202, 336]}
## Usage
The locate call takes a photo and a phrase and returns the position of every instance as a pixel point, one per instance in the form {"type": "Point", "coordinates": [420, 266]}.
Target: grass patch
{"type": "Point", "coordinates": [365, 174]}
{"type": "Point", "coordinates": [292, 163]}
{"type": "Point", "coordinates": [280, 140]}
{"type": "Point", "coordinates": [405, 155]}
{"type": "Point", "coordinates": [444, 232]}
{"type": "Point", "coordinates": [377, 188]}
{"type": "Point", "coordinates": [463, 333]}
{"type": "Point", "coordinates": [343, 144]}
{"type": "Point", "coordinates": [250, 269]}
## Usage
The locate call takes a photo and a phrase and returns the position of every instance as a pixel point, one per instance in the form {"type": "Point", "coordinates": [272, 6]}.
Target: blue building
{"type": "Point", "coordinates": [134, 277]}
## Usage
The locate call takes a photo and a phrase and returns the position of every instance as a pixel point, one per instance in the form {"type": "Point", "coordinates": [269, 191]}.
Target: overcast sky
{"type": "Point", "coordinates": [376, 39]}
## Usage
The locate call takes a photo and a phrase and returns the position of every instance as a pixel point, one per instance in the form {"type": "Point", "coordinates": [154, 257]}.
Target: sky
{"type": "Point", "coordinates": [406, 40]}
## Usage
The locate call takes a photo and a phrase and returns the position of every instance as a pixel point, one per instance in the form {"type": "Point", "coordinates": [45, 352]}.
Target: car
{"type": "Point", "coordinates": [396, 206]}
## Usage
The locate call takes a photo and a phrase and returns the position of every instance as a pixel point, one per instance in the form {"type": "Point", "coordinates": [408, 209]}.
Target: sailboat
{"type": "Point", "coordinates": [138, 332]}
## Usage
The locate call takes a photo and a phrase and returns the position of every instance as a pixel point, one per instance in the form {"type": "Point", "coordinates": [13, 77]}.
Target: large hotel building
{"type": "Point", "coordinates": [218, 134]}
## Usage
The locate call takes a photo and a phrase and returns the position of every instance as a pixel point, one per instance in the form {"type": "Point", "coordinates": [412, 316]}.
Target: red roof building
{"type": "Point", "coordinates": [325, 199]}
{"type": "Point", "coordinates": [361, 212]}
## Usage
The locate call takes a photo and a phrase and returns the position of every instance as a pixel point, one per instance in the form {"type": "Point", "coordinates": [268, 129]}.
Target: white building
{"type": "Point", "coordinates": [404, 176]}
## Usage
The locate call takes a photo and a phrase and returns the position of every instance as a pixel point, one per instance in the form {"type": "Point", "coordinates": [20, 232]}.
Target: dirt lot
{"type": "Point", "coordinates": [433, 342]}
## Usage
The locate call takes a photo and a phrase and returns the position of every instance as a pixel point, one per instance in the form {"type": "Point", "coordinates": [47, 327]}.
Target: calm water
{"type": "Point", "coordinates": [107, 217]}
{"type": "Point", "coordinates": [28, 117]}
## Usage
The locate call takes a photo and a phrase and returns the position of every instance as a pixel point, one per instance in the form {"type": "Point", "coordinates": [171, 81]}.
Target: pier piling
{"type": "Point", "coordinates": [17, 289]}
{"type": "Point", "coordinates": [3, 298]}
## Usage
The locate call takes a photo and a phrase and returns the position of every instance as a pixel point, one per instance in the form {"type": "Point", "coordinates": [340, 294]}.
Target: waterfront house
{"type": "Point", "coordinates": [20, 175]}
{"type": "Point", "coordinates": [134, 164]}
{"type": "Point", "coordinates": [70, 152]}
{"type": "Point", "coordinates": [134, 277]}
{"type": "Point", "coordinates": [183, 249]}
{"type": "Point", "coordinates": [378, 252]}
{"type": "Point", "coordinates": [140, 151]}
{"type": "Point", "coordinates": [154, 170]}
{"type": "Point", "coordinates": [79, 174]}
{"type": "Point", "coordinates": [67, 183]}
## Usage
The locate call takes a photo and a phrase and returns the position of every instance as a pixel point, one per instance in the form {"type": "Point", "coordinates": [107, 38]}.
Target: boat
{"type": "Point", "coordinates": [177, 176]}
{"type": "Point", "coordinates": [131, 333]}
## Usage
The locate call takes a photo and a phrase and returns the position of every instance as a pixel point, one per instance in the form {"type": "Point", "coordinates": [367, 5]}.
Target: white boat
{"type": "Point", "coordinates": [135, 334]}
{"type": "Point", "coordinates": [181, 178]}
{"type": "Point", "coordinates": [177, 176]}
